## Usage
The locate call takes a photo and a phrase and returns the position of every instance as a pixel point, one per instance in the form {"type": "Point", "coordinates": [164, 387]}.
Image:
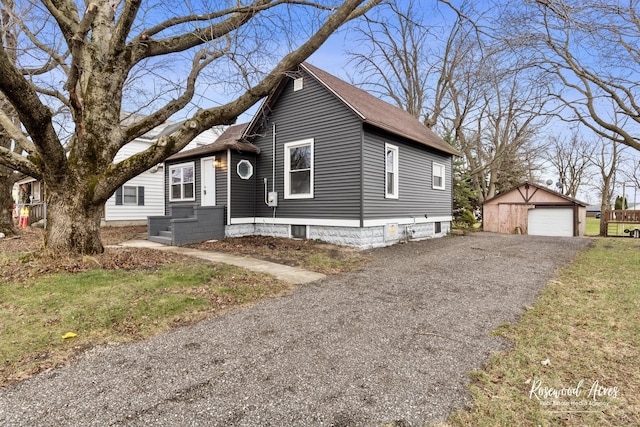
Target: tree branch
{"type": "Point", "coordinates": [65, 13]}
{"type": "Point", "coordinates": [200, 61]}
{"type": "Point", "coordinates": [34, 116]}
{"type": "Point", "coordinates": [123, 26]}
{"type": "Point", "coordinates": [15, 133]}
{"type": "Point", "coordinates": [77, 44]}
{"type": "Point", "coordinates": [19, 163]}
{"type": "Point", "coordinates": [225, 114]}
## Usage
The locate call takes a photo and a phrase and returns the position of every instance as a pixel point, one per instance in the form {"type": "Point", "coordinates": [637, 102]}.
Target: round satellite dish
{"type": "Point", "coordinates": [549, 181]}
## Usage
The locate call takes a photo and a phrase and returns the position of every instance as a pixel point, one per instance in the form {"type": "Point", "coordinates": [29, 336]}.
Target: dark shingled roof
{"type": "Point", "coordinates": [230, 139]}
{"type": "Point", "coordinates": [377, 112]}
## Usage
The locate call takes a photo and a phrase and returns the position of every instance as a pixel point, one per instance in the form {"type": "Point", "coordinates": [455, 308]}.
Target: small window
{"type": "Point", "coordinates": [298, 84]}
{"type": "Point", "coordinates": [438, 176]}
{"type": "Point", "coordinates": [129, 195]}
{"type": "Point", "coordinates": [437, 227]}
{"type": "Point", "coordinates": [244, 169]}
{"type": "Point", "coordinates": [299, 231]}
{"type": "Point", "coordinates": [182, 183]}
{"type": "Point", "coordinates": [298, 170]}
{"type": "Point", "coordinates": [132, 195]}
{"type": "Point", "coordinates": [36, 190]}
{"type": "Point", "coordinates": [391, 171]}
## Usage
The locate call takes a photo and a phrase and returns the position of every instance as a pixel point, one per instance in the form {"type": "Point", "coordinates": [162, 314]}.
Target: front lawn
{"type": "Point", "coordinates": [108, 306]}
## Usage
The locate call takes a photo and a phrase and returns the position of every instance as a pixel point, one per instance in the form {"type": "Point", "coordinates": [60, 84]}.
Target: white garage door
{"type": "Point", "coordinates": [550, 222]}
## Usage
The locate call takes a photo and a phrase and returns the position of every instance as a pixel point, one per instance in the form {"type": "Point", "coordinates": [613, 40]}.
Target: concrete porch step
{"type": "Point", "coordinates": [166, 233]}
{"type": "Point", "coordinates": [160, 239]}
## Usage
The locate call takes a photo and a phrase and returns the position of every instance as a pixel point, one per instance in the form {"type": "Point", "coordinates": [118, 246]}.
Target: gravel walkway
{"type": "Point", "coordinates": [391, 343]}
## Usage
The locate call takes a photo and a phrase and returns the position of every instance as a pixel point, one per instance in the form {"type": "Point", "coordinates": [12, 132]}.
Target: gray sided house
{"type": "Point", "coordinates": [321, 159]}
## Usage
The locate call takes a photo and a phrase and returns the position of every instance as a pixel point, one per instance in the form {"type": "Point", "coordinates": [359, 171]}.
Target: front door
{"type": "Point", "coordinates": [208, 181]}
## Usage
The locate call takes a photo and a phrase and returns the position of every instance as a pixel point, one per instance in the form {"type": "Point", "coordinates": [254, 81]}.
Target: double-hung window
{"type": "Point", "coordinates": [298, 169]}
{"type": "Point", "coordinates": [182, 182]}
{"type": "Point", "coordinates": [132, 195]}
{"type": "Point", "coordinates": [438, 176]}
{"type": "Point", "coordinates": [129, 195]}
{"type": "Point", "coordinates": [391, 171]}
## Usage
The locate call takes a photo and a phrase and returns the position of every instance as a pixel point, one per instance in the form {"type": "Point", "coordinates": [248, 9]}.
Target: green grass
{"type": "Point", "coordinates": [592, 226]}
{"type": "Point", "coordinates": [587, 324]}
{"type": "Point", "coordinates": [113, 306]}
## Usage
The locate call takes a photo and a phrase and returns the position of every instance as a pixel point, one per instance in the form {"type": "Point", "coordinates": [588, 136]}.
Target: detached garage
{"type": "Point", "coordinates": [531, 209]}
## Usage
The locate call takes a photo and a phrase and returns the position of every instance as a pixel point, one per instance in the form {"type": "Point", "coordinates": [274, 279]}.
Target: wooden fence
{"type": "Point", "coordinates": [618, 216]}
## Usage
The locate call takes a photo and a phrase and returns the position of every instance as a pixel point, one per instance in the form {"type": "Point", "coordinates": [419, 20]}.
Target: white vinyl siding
{"type": "Point", "coordinates": [298, 169]}
{"type": "Point", "coordinates": [391, 183]}
{"type": "Point", "coordinates": [153, 199]}
{"type": "Point", "coordinates": [153, 182]}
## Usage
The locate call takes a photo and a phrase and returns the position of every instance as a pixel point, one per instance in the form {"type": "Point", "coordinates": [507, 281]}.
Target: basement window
{"type": "Point", "coordinates": [299, 231]}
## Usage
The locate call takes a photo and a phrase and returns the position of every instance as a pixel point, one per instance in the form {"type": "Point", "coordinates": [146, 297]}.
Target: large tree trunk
{"type": "Point", "coordinates": [7, 180]}
{"type": "Point", "coordinates": [604, 205]}
{"type": "Point", "coordinates": [73, 225]}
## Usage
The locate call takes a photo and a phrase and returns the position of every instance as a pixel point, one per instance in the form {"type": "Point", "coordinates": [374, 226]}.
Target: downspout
{"type": "Point", "coordinates": [273, 175]}
{"type": "Point", "coordinates": [228, 187]}
{"type": "Point", "coordinates": [362, 177]}
{"type": "Point", "coordinates": [273, 164]}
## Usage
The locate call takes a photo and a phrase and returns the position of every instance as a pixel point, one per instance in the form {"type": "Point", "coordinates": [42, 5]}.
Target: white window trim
{"type": "Point", "coordinates": [396, 168]}
{"type": "Point", "coordinates": [123, 195]}
{"type": "Point", "coordinates": [244, 162]}
{"type": "Point", "coordinates": [180, 166]}
{"type": "Point", "coordinates": [287, 167]}
{"type": "Point", "coordinates": [433, 175]}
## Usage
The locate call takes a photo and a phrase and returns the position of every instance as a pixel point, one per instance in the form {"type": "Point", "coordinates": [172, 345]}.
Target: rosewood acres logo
{"type": "Point", "coordinates": [581, 397]}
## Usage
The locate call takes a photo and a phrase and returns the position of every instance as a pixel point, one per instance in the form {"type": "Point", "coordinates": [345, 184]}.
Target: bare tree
{"type": "Point", "coordinates": [571, 158]}
{"type": "Point", "coordinates": [506, 126]}
{"type": "Point", "coordinates": [607, 161]}
{"type": "Point", "coordinates": [460, 83]}
{"type": "Point", "coordinates": [83, 61]}
{"type": "Point", "coordinates": [397, 57]}
{"type": "Point", "coordinates": [631, 174]}
{"type": "Point", "coordinates": [592, 47]}
{"type": "Point", "coordinates": [7, 175]}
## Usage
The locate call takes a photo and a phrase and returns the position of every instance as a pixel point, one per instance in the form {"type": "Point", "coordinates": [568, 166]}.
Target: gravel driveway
{"type": "Point", "coordinates": [392, 342]}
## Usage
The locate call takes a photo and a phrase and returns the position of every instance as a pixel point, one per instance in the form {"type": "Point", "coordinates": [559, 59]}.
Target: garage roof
{"type": "Point", "coordinates": [537, 187]}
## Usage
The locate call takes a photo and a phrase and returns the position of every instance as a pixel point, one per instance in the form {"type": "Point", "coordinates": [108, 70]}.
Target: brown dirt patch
{"type": "Point", "coordinates": [310, 254]}
{"type": "Point", "coordinates": [21, 258]}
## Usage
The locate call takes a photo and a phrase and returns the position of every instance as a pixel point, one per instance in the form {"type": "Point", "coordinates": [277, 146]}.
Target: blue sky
{"type": "Point", "coordinates": [333, 57]}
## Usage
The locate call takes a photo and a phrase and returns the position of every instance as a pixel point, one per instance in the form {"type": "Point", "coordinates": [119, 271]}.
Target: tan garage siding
{"type": "Point", "coordinates": [508, 213]}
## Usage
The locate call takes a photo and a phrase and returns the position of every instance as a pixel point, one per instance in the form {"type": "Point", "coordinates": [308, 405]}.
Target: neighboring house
{"type": "Point", "coordinates": [535, 210]}
{"type": "Point", "coordinates": [29, 191]}
{"type": "Point", "coordinates": [321, 159]}
{"type": "Point", "coordinates": [143, 195]}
